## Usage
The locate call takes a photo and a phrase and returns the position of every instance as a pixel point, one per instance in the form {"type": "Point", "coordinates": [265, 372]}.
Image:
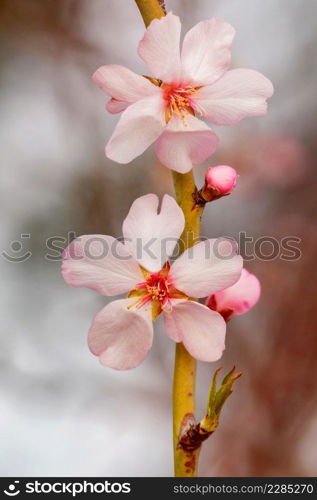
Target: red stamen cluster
{"type": "Point", "coordinates": [155, 288]}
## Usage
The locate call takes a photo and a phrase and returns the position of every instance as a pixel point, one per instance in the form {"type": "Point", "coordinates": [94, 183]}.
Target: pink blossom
{"type": "Point", "coordinates": [222, 179]}
{"type": "Point", "coordinates": [187, 85]}
{"type": "Point", "coordinates": [238, 298]}
{"type": "Point", "coordinates": [122, 332]}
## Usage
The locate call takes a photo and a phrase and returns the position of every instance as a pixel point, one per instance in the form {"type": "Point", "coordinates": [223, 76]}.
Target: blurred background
{"type": "Point", "coordinates": [61, 412]}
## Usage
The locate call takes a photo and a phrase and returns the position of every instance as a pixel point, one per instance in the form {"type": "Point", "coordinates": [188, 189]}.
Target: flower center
{"type": "Point", "coordinates": [178, 100]}
{"type": "Point", "coordinates": [157, 291]}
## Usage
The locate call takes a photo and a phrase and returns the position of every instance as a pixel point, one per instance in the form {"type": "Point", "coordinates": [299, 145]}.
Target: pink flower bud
{"type": "Point", "coordinates": [222, 179]}
{"type": "Point", "coordinates": [238, 298]}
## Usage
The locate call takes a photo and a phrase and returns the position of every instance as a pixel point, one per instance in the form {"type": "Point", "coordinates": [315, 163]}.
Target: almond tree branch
{"type": "Point", "coordinates": [150, 9]}
{"type": "Point", "coordinates": [185, 461]}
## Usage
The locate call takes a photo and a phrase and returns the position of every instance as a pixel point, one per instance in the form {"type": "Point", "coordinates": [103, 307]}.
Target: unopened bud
{"type": "Point", "coordinates": [219, 181]}
{"type": "Point", "coordinates": [238, 298]}
{"type": "Point", "coordinates": [222, 179]}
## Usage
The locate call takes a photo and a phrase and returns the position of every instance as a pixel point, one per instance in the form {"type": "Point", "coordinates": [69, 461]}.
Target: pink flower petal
{"type": "Point", "coordinates": [240, 297]}
{"type": "Point", "coordinates": [121, 337]}
{"type": "Point", "coordinates": [114, 106]}
{"type": "Point", "coordinates": [152, 236]}
{"type": "Point", "coordinates": [101, 263]}
{"type": "Point", "coordinates": [202, 333]}
{"type": "Point", "coordinates": [238, 94]}
{"type": "Point", "coordinates": [139, 126]}
{"type": "Point", "coordinates": [184, 143]}
{"type": "Point", "coordinates": [206, 51]}
{"type": "Point", "coordinates": [169, 324]}
{"type": "Point", "coordinates": [206, 268]}
{"type": "Point", "coordinates": [122, 84]}
{"type": "Point", "coordinates": [159, 48]}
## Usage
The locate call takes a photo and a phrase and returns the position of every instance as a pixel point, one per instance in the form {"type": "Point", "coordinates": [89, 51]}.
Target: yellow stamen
{"type": "Point", "coordinates": [179, 101]}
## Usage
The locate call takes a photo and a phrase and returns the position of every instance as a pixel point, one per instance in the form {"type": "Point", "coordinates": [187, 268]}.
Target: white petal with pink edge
{"type": "Point", "coordinates": [139, 126]}
{"type": "Point", "coordinates": [238, 94]}
{"type": "Point", "coordinates": [101, 263]}
{"type": "Point", "coordinates": [159, 48]}
{"type": "Point", "coordinates": [151, 236]}
{"type": "Point", "coordinates": [202, 333]}
{"type": "Point", "coordinates": [185, 143]}
{"type": "Point", "coordinates": [207, 267]}
{"type": "Point", "coordinates": [123, 84]}
{"type": "Point", "coordinates": [121, 337]}
{"type": "Point", "coordinates": [206, 51]}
